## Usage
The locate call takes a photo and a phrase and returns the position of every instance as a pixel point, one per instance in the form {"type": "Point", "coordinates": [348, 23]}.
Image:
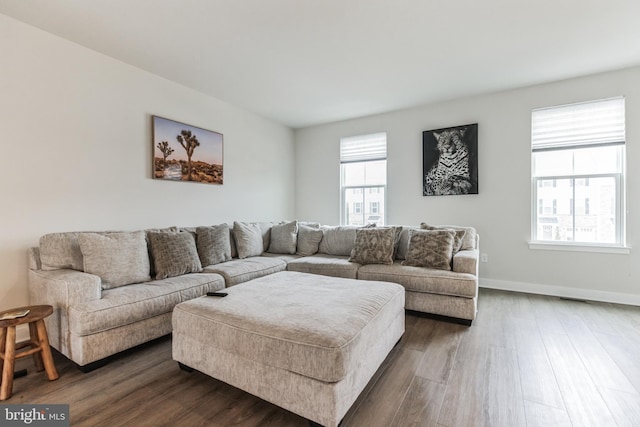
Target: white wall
{"type": "Point", "coordinates": [75, 138]}
{"type": "Point", "coordinates": [501, 210]}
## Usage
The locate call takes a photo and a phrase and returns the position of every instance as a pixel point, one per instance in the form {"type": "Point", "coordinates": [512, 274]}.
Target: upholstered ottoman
{"type": "Point", "coordinates": [305, 342]}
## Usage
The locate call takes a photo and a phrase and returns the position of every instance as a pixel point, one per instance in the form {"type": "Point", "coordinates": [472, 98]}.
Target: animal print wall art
{"type": "Point", "coordinates": [450, 161]}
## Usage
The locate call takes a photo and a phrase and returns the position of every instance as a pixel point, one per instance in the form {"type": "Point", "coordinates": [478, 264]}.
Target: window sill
{"type": "Point", "coordinates": [552, 246]}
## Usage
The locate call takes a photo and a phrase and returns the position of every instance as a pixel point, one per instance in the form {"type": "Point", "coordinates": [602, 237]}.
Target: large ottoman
{"type": "Point", "coordinates": [305, 342]}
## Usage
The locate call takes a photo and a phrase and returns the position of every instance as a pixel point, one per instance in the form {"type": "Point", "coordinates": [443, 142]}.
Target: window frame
{"type": "Point", "coordinates": [538, 185]}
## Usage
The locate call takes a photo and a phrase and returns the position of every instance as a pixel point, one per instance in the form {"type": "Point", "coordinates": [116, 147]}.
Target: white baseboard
{"type": "Point", "coordinates": [561, 291]}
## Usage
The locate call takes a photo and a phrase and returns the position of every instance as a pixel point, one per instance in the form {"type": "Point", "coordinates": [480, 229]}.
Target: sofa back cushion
{"type": "Point", "coordinates": [118, 258]}
{"type": "Point", "coordinates": [338, 240]}
{"type": "Point", "coordinates": [213, 244]}
{"type": "Point", "coordinates": [61, 250]}
{"type": "Point", "coordinates": [174, 254]}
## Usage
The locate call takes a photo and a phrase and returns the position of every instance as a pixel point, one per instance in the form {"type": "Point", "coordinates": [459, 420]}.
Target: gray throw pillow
{"type": "Point", "coordinates": [174, 254]}
{"type": "Point", "coordinates": [118, 258]}
{"type": "Point", "coordinates": [309, 238]}
{"type": "Point", "coordinates": [284, 238]}
{"type": "Point", "coordinates": [430, 248]}
{"type": "Point", "coordinates": [213, 243]}
{"type": "Point", "coordinates": [248, 237]}
{"type": "Point", "coordinates": [374, 245]}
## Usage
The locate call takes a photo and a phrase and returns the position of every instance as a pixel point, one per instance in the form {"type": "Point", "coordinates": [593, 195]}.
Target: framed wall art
{"type": "Point", "coordinates": [183, 152]}
{"type": "Point", "coordinates": [450, 161]}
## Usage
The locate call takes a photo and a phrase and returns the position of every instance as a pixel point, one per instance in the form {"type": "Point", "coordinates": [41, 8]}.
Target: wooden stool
{"type": "Point", "coordinates": [38, 343]}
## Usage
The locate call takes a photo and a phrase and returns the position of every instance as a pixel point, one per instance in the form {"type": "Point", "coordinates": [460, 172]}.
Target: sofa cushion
{"type": "Point", "coordinates": [458, 238]}
{"type": "Point", "coordinates": [326, 265]}
{"type": "Point", "coordinates": [60, 250]}
{"type": "Point", "coordinates": [338, 240]}
{"type": "Point", "coordinates": [249, 240]}
{"type": "Point", "coordinates": [309, 238]}
{"type": "Point", "coordinates": [118, 258]}
{"type": "Point", "coordinates": [174, 254]}
{"type": "Point", "coordinates": [374, 246]}
{"type": "Point", "coordinates": [430, 248]}
{"type": "Point", "coordinates": [284, 238]}
{"type": "Point", "coordinates": [242, 270]}
{"type": "Point", "coordinates": [129, 304]}
{"type": "Point", "coordinates": [469, 239]}
{"type": "Point", "coordinates": [421, 279]}
{"type": "Point", "coordinates": [213, 244]}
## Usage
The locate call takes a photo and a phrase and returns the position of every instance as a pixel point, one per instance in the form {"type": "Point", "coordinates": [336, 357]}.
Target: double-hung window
{"type": "Point", "coordinates": [363, 179]}
{"type": "Point", "coordinates": [578, 174]}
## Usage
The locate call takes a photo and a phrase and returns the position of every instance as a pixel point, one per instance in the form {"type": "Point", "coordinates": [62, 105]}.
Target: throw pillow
{"type": "Point", "coordinates": [430, 248]}
{"type": "Point", "coordinates": [374, 245]}
{"type": "Point", "coordinates": [309, 238]}
{"type": "Point", "coordinates": [248, 237]}
{"type": "Point", "coordinates": [338, 240]}
{"type": "Point", "coordinates": [60, 250]}
{"type": "Point", "coordinates": [118, 258]}
{"type": "Point", "coordinates": [284, 238]}
{"type": "Point", "coordinates": [152, 267]}
{"type": "Point", "coordinates": [403, 242]}
{"type": "Point", "coordinates": [469, 239]}
{"type": "Point", "coordinates": [174, 254]}
{"type": "Point", "coordinates": [459, 234]}
{"type": "Point", "coordinates": [213, 244]}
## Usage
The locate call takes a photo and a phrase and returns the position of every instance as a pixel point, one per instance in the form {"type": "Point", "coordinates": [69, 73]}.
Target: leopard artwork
{"type": "Point", "coordinates": [450, 175]}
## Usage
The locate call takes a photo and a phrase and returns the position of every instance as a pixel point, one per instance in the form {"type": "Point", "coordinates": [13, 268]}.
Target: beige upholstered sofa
{"type": "Point", "coordinates": [114, 290]}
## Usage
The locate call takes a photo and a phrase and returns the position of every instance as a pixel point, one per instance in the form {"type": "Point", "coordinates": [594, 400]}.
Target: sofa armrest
{"type": "Point", "coordinates": [466, 262]}
{"type": "Point", "coordinates": [63, 288]}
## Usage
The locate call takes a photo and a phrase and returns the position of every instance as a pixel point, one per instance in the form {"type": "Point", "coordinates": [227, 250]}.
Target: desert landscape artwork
{"type": "Point", "coordinates": [183, 152]}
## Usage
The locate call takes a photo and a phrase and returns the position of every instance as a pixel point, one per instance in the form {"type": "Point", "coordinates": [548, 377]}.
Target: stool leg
{"type": "Point", "coordinates": [47, 358]}
{"type": "Point", "coordinates": [3, 337]}
{"type": "Point", "coordinates": [37, 357]}
{"type": "Point", "coordinates": [9, 359]}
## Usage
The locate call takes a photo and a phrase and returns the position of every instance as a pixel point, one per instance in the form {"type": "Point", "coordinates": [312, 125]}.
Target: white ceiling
{"type": "Point", "coordinates": [306, 62]}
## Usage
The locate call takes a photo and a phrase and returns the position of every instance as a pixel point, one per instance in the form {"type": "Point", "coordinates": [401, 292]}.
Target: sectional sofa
{"type": "Point", "coordinates": [114, 290]}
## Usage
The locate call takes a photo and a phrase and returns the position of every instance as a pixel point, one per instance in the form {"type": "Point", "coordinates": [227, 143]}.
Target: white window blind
{"type": "Point", "coordinates": [579, 125]}
{"type": "Point", "coordinates": [363, 148]}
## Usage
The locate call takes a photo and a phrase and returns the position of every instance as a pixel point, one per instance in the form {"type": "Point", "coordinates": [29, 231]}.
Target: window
{"type": "Point", "coordinates": [363, 177]}
{"type": "Point", "coordinates": [578, 164]}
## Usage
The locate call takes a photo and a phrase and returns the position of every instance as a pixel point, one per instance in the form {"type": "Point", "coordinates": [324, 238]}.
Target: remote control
{"type": "Point", "coordinates": [217, 294]}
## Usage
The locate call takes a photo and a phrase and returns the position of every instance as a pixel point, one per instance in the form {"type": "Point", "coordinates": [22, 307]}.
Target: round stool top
{"type": "Point", "coordinates": [36, 312]}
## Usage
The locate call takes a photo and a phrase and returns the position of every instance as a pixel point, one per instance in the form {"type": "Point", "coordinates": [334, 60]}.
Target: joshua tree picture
{"type": "Point", "coordinates": [183, 152]}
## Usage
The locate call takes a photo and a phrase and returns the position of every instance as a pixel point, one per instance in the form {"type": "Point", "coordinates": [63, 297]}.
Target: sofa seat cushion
{"type": "Point", "coordinates": [326, 265]}
{"type": "Point", "coordinates": [316, 326]}
{"type": "Point", "coordinates": [132, 303]}
{"type": "Point", "coordinates": [242, 270]}
{"type": "Point", "coordinates": [284, 257]}
{"type": "Point", "coordinates": [421, 279]}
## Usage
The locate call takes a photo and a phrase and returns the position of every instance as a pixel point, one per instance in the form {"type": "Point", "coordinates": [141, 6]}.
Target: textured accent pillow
{"type": "Point", "coordinates": [374, 245]}
{"type": "Point", "coordinates": [174, 254]}
{"type": "Point", "coordinates": [403, 242]}
{"type": "Point", "coordinates": [309, 238]}
{"type": "Point", "coordinates": [248, 237]}
{"type": "Point", "coordinates": [430, 248]}
{"type": "Point", "coordinates": [118, 258]}
{"type": "Point", "coordinates": [459, 236]}
{"type": "Point", "coordinates": [284, 238]}
{"type": "Point", "coordinates": [152, 267]}
{"type": "Point", "coordinates": [213, 244]}
{"type": "Point", "coordinates": [60, 250]}
{"type": "Point", "coordinates": [468, 240]}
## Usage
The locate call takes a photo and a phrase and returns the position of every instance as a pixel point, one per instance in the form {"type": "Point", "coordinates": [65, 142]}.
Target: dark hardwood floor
{"type": "Point", "coordinates": [526, 361]}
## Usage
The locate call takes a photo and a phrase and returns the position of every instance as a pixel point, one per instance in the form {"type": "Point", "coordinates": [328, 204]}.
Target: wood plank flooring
{"type": "Point", "coordinates": [527, 361]}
